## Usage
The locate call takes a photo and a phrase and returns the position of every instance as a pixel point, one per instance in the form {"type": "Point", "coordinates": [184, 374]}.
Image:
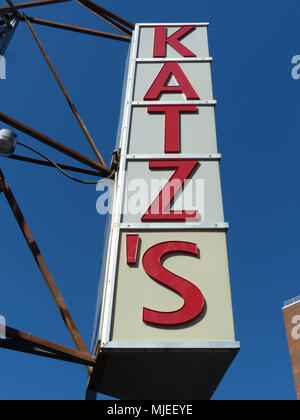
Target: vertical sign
{"type": "Point", "coordinates": [291, 313]}
{"type": "Point", "coordinates": [166, 283]}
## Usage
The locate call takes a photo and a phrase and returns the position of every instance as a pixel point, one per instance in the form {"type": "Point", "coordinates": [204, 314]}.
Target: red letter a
{"type": "Point", "coordinates": [159, 86]}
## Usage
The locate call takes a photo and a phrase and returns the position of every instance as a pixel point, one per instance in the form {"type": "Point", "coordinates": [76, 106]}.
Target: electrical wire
{"type": "Point", "coordinates": [62, 171]}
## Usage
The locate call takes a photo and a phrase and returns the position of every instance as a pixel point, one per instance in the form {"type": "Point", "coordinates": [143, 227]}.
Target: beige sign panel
{"type": "Point", "coordinates": [198, 74]}
{"type": "Point", "coordinates": [135, 290]}
{"type": "Point", "coordinates": [202, 192]}
{"type": "Point", "coordinates": [197, 41]}
{"type": "Point", "coordinates": [197, 129]}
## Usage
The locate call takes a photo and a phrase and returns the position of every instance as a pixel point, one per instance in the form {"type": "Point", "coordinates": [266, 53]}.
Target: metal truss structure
{"type": "Point", "coordinates": [10, 17]}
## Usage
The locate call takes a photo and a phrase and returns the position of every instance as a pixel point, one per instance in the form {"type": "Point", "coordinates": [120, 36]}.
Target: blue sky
{"type": "Point", "coordinates": [258, 128]}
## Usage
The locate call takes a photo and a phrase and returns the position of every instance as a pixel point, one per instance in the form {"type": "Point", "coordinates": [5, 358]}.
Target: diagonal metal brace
{"type": "Point", "coordinates": [6, 9]}
{"type": "Point", "coordinates": [73, 28]}
{"type": "Point", "coordinates": [27, 343]}
{"type": "Point", "coordinates": [52, 286]}
{"type": "Point", "coordinates": [64, 91]}
{"type": "Point", "coordinates": [108, 16]}
{"type": "Point", "coordinates": [103, 170]}
{"type": "Point", "coordinates": [14, 10]}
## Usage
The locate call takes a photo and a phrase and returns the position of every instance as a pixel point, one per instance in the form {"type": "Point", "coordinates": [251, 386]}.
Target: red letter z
{"type": "Point", "coordinates": [158, 211]}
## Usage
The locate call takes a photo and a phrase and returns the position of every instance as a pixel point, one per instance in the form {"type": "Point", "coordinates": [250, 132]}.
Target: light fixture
{"type": "Point", "coordinates": [8, 141]}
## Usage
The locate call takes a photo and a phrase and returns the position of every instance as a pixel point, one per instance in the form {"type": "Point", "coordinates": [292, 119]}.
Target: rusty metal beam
{"type": "Point", "coordinates": [28, 343]}
{"type": "Point", "coordinates": [52, 286]}
{"type": "Point", "coordinates": [5, 9]}
{"type": "Point", "coordinates": [49, 164]}
{"type": "Point", "coordinates": [78, 29]}
{"type": "Point", "coordinates": [15, 345]}
{"type": "Point", "coordinates": [103, 170]}
{"type": "Point", "coordinates": [108, 16]}
{"type": "Point", "coordinates": [96, 7]}
{"type": "Point", "coordinates": [65, 93]}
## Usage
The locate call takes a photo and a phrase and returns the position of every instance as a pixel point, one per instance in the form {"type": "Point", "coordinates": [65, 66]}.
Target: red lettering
{"type": "Point", "coordinates": [158, 211]}
{"type": "Point", "coordinates": [161, 41]}
{"type": "Point", "coordinates": [193, 298]}
{"type": "Point", "coordinates": [159, 86]}
{"type": "Point", "coordinates": [172, 123]}
{"type": "Point", "coordinates": [132, 244]}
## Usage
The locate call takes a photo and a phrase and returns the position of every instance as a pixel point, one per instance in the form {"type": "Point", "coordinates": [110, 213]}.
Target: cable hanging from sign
{"type": "Point", "coordinates": [64, 172]}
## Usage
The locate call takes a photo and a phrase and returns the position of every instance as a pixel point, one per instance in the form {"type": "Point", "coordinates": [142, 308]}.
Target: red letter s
{"type": "Point", "coordinates": [194, 300]}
